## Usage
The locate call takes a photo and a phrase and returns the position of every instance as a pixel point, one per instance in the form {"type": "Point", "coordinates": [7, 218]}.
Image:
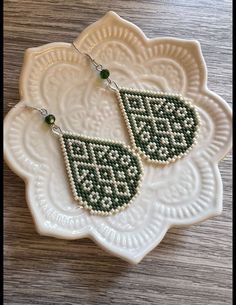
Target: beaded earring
{"type": "Point", "coordinates": [104, 175]}
{"type": "Point", "coordinates": [163, 127]}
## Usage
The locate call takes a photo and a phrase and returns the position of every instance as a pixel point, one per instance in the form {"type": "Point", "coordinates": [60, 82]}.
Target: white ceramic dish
{"type": "Point", "coordinates": [58, 78]}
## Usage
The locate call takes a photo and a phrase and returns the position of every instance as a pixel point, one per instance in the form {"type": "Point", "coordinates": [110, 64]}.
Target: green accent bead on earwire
{"type": "Point", "coordinates": [104, 74]}
{"type": "Point", "coordinates": [50, 119]}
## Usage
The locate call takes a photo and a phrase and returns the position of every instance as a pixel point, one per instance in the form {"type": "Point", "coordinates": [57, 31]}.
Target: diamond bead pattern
{"type": "Point", "coordinates": [163, 127]}
{"type": "Point", "coordinates": [105, 175]}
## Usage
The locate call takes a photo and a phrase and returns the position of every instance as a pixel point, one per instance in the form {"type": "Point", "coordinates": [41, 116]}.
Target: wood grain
{"type": "Point", "coordinates": [192, 265]}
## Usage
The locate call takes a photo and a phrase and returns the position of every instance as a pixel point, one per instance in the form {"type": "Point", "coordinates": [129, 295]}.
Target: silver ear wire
{"type": "Point", "coordinates": [55, 128]}
{"type": "Point", "coordinates": [111, 83]}
{"type": "Point", "coordinates": [42, 111]}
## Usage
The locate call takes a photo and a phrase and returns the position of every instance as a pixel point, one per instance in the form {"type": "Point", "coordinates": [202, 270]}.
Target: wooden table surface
{"type": "Point", "coordinates": [191, 265]}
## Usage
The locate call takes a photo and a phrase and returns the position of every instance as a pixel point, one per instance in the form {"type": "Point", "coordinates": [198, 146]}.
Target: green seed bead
{"type": "Point", "coordinates": [104, 74]}
{"type": "Point", "coordinates": [50, 119]}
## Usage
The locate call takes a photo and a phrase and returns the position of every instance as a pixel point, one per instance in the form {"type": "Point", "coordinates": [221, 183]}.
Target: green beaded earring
{"type": "Point", "coordinates": [163, 127]}
{"type": "Point", "coordinates": [104, 175]}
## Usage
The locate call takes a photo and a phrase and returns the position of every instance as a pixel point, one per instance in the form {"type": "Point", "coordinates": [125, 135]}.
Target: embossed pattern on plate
{"type": "Point", "coordinates": [58, 78]}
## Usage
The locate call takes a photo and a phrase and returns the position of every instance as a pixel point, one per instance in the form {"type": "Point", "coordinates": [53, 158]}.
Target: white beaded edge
{"type": "Point", "coordinates": [71, 180]}
{"type": "Point", "coordinates": [141, 153]}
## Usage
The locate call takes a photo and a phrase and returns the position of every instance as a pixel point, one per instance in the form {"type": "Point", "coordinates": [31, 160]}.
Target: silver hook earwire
{"type": "Point", "coordinates": [111, 83]}
{"type": "Point", "coordinates": [42, 111]}
{"type": "Point", "coordinates": [55, 128]}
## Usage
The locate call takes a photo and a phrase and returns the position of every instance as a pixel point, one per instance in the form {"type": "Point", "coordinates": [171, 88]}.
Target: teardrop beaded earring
{"type": "Point", "coordinates": [163, 127]}
{"type": "Point", "coordinates": [104, 175]}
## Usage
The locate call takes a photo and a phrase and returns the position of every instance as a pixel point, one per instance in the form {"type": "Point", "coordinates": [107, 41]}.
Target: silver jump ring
{"type": "Point", "coordinates": [43, 112]}
{"type": "Point", "coordinates": [113, 85]}
{"type": "Point", "coordinates": [57, 130]}
{"type": "Point", "coordinates": [99, 67]}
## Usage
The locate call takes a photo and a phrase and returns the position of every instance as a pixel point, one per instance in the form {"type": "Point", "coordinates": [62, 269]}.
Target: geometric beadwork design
{"type": "Point", "coordinates": [163, 127]}
{"type": "Point", "coordinates": [104, 175]}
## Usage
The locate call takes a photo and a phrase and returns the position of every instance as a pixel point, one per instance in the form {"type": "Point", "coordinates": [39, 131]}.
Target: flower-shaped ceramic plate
{"type": "Point", "coordinates": [60, 79]}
